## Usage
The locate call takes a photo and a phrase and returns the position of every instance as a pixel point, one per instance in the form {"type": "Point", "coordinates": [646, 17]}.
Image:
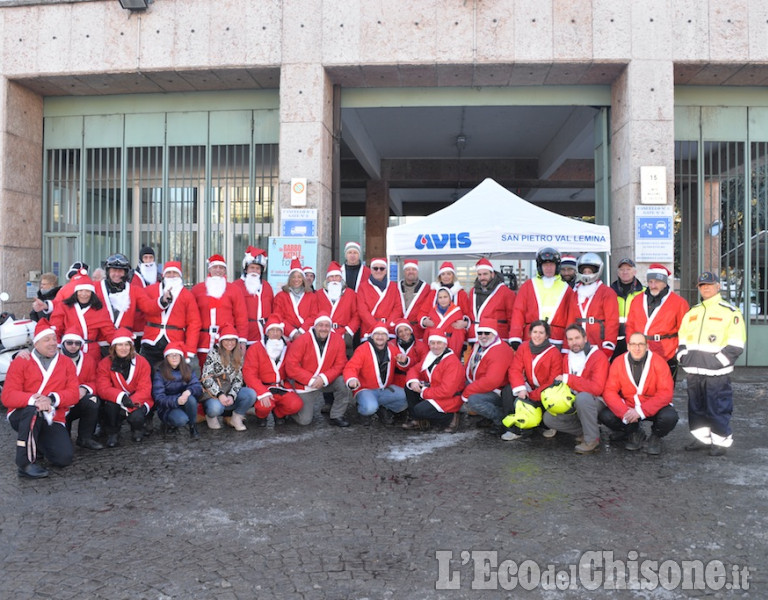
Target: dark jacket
{"type": "Point", "coordinates": [46, 297]}
{"type": "Point", "coordinates": [166, 392]}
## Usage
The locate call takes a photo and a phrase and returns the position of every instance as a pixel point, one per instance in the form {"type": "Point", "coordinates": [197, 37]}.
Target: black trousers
{"type": "Point", "coordinates": [420, 409]}
{"type": "Point", "coordinates": [663, 421]}
{"type": "Point", "coordinates": [154, 354]}
{"type": "Point", "coordinates": [87, 410]}
{"type": "Point", "coordinates": [53, 439]}
{"type": "Point", "coordinates": [114, 416]}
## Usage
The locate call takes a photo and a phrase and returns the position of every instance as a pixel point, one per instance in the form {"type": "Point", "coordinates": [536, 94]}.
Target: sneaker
{"type": "Point", "coordinates": [549, 433]}
{"type": "Point", "coordinates": [635, 441]}
{"type": "Point", "coordinates": [717, 451]}
{"type": "Point", "coordinates": [511, 436]}
{"type": "Point", "coordinates": [653, 447]}
{"type": "Point", "coordinates": [213, 422]}
{"type": "Point", "coordinates": [587, 447]}
{"type": "Point", "coordinates": [697, 444]}
{"type": "Point", "coordinates": [236, 421]}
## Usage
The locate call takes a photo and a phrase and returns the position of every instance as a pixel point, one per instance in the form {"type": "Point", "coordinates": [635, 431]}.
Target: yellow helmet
{"type": "Point", "coordinates": [527, 415]}
{"type": "Point", "coordinates": [558, 399]}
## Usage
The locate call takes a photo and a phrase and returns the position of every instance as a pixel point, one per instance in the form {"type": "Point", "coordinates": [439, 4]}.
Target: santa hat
{"type": "Point", "coordinates": [378, 327]}
{"type": "Point", "coordinates": [568, 261]}
{"type": "Point", "coordinates": [487, 324]}
{"type": "Point", "coordinates": [76, 268]}
{"type": "Point", "coordinates": [254, 255]}
{"type": "Point", "coordinates": [122, 335]}
{"type": "Point", "coordinates": [333, 269]}
{"type": "Point", "coordinates": [172, 265]}
{"type": "Point", "coordinates": [295, 266]}
{"type": "Point", "coordinates": [403, 323]}
{"type": "Point", "coordinates": [174, 348]}
{"type": "Point", "coordinates": [379, 262]}
{"type": "Point", "coordinates": [308, 269]}
{"type": "Point", "coordinates": [83, 282]}
{"type": "Point", "coordinates": [352, 246]}
{"type": "Point", "coordinates": [273, 321]}
{"type": "Point", "coordinates": [228, 332]}
{"type": "Point", "coordinates": [658, 271]}
{"type": "Point", "coordinates": [217, 260]}
{"type": "Point", "coordinates": [42, 329]}
{"type": "Point", "coordinates": [72, 335]}
{"type": "Point", "coordinates": [447, 267]}
{"type": "Point", "coordinates": [323, 317]}
{"type": "Point", "coordinates": [434, 334]}
{"type": "Point", "coordinates": [411, 263]}
{"type": "Point", "coordinates": [484, 264]}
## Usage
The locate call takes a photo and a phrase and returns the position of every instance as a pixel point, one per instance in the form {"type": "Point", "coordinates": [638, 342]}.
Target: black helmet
{"type": "Point", "coordinates": [547, 255]}
{"type": "Point", "coordinates": [118, 261]}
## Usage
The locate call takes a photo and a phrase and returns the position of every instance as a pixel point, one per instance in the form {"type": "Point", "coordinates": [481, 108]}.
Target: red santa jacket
{"type": "Point", "coordinates": [216, 312]}
{"type": "Point", "coordinates": [91, 324]}
{"type": "Point", "coordinates": [362, 275]}
{"type": "Point", "coordinates": [662, 326]}
{"type": "Point", "coordinates": [534, 373]}
{"type": "Point", "coordinates": [304, 360]}
{"type": "Point", "coordinates": [260, 372]}
{"type": "Point", "coordinates": [414, 354]}
{"type": "Point", "coordinates": [120, 318]}
{"type": "Point", "coordinates": [112, 386]}
{"type": "Point", "coordinates": [412, 311]}
{"type": "Point", "coordinates": [258, 306]}
{"type": "Point", "coordinates": [364, 366]}
{"type": "Point", "coordinates": [598, 315]}
{"type": "Point", "coordinates": [498, 306]}
{"type": "Point", "coordinates": [458, 294]}
{"type": "Point", "coordinates": [375, 306]}
{"type": "Point", "coordinates": [654, 391]}
{"type": "Point", "coordinates": [295, 315]}
{"type": "Point", "coordinates": [27, 377]}
{"type": "Point", "coordinates": [178, 322]}
{"type": "Point", "coordinates": [487, 370]}
{"type": "Point", "coordinates": [528, 309]}
{"type": "Point", "coordinates": [445, 378]}
{"type": "Point", "coordinates": [592, 377]}
{"type": "Point", "coordinates": [85, 368]}
{"type": "Point", "coordinates": [343, 312]}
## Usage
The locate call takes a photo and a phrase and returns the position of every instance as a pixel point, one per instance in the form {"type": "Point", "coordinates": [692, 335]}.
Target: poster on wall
{"type": "Point", "coordinates": [654, 233]}
{"type": "Point", "coordinates": [284, 249]}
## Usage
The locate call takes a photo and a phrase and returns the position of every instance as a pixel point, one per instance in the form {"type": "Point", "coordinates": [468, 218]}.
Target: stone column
{"type": "Point", "coordinates": [306, 119]}
{"type": "Point", "coordinates": [21, 191]}
{"type": "Point", "coordinates": [376, 218]}
{"type": "Point", "coordinates": [642, 134]}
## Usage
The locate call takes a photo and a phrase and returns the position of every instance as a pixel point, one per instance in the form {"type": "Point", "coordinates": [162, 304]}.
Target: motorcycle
{"type": "Point", "coordinates": [15, 335]}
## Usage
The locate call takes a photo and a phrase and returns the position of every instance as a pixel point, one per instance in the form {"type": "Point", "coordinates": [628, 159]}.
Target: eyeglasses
{"type": "Point", "coordinates": [378, 268]}
{"type": "Point", "coordinates": [638, 344]}
{"type": "Point", "coordinates": [73, 343]}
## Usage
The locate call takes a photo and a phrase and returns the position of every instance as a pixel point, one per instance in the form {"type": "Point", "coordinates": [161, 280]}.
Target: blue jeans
{"type": "Point", "coordinates": [183, 415]}
{"type": "Point", "coordinates": [246, 398]}
{"type": "Point", "coordinates": [392, 397]}
{"type": "Point", "coordinates": [487, 405]}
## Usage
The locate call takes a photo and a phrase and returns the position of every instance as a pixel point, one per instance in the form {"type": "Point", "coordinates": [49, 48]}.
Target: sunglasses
{"type": "Point", "coordinates": [484, 333]}
{"type": "Point", "coordinates": [73, 343]}
{"type": "Point", "coordinates": [378, 268]}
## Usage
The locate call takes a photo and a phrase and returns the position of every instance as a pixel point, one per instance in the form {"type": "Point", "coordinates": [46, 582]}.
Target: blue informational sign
{"type": "Point", "coordinates": [299, 228]}
{"type": "Point", "coordinates": [654, 227]}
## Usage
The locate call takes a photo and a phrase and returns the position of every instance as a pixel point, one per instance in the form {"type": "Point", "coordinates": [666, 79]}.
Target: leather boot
{"type": "Point", "coordinates": [193, 432]}
{"type": "Point", "coordinates": [112, 440]}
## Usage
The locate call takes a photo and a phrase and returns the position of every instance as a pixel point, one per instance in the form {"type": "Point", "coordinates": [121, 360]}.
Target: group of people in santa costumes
{"type": "Point", "coordinates": [397, 348]}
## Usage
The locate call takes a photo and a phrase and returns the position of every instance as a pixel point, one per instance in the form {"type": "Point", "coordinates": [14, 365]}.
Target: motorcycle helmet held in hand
{"type": "Point", "coordinates": [558, 399]}
{"type": "Point", "coordinates": [527, 415]}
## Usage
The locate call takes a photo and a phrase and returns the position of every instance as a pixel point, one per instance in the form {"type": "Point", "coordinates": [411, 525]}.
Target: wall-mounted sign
{"type": "Point", "coordinates": [654, 234]}
{"type": "Point", "coordinates": [298, 222]}
{"type": "Point", "coordinates": [653, 185]}
{"type": "Point", "coordinates": [299, 191]}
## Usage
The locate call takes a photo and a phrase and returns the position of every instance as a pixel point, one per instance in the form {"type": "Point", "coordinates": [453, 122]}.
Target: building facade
{"type": "Point", "coordinates": [182, 125]}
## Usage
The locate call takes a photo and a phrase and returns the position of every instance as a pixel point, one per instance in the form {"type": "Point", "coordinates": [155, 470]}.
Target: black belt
{"type": "Point", "coordinates": [212, 329]}
{"type": "Point", "coordinates": [163, 326]}
{"type": "Point", "coordinates": [499, 321]}
{"type": "Point", "coordinates": [592, 321]}
{"type": "Point", "coordinates": [658, 338]}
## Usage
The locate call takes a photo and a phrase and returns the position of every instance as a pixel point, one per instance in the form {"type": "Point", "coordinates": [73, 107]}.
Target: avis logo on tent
{"type": "Point", "coordinates": [437, 241]}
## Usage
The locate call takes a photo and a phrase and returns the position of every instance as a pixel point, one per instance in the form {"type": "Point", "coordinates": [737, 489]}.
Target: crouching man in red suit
{"type": "Point", "coordinates": [434, 387]}
{"type": "Point", "coordinates": [264, 372]}
{"type": "Point", "coordinates": [38, 391]}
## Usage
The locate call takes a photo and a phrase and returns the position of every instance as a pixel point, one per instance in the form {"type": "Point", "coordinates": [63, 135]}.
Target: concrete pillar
{"type": "Point", "coordinates": [376, 218]}
{"type": "Point", "coordinates": [21, 191]}
{"type": "Point", "coordinates": [306, 119]}
{"type": "Point", "coordinates": [642, 134]}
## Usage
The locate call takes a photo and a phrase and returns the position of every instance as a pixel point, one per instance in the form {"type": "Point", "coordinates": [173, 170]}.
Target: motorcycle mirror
{"type": "Point", "coordinates": [5, 296]}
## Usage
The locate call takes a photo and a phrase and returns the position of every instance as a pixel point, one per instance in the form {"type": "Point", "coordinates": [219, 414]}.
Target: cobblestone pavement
{"type": "Point", "coordinates": [322, 512]}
